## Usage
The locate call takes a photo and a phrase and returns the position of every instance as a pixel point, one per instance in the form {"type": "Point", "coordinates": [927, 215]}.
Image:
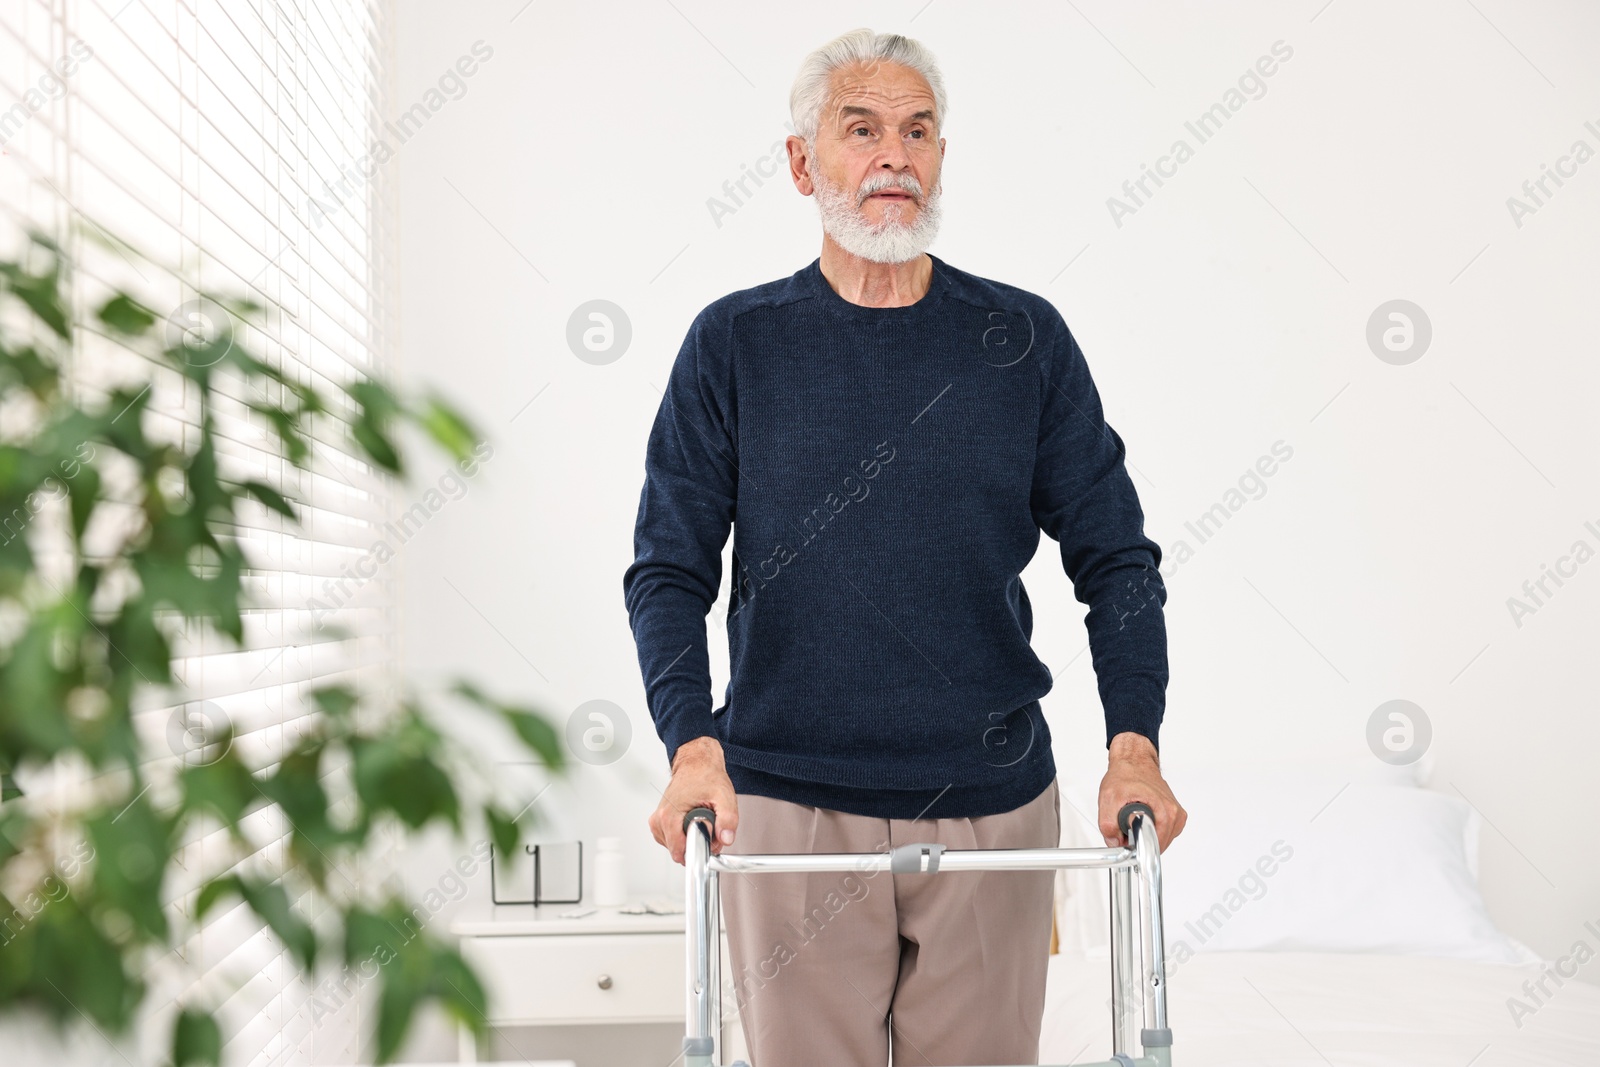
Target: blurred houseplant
{"type": "Point", "coordinates": [96, 891]}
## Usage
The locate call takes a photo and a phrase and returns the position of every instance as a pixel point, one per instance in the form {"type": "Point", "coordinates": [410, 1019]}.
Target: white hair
{"type": "Point", "coordinates": [810, 92]}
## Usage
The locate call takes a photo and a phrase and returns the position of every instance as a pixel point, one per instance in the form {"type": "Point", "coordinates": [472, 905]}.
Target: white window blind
{"type": "Point", "coordinates": [230, 140]}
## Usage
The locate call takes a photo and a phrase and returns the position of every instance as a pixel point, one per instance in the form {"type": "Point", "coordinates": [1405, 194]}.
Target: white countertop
{"type": "Point", "coordinates": [506, 920]}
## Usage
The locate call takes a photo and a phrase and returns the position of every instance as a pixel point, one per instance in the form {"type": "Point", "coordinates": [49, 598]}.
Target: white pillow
{"type": "Point", "coordinates": [1303, 856]}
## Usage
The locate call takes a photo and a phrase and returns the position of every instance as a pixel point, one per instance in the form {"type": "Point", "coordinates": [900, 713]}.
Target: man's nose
{"type": "Point", "coordinates": [895, 154]}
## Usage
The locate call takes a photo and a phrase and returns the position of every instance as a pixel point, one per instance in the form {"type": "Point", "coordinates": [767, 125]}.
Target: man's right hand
{"type": "Point", "coordinates": [699, 779]}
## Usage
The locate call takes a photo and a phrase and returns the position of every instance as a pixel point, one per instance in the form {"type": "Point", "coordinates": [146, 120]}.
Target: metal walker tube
{"type": "Point", "coordinates": [1141, 857]}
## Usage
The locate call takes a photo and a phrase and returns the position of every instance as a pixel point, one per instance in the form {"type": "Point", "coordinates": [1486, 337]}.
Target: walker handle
{"type": "Point", "coordinates": [1125, 815]}
{"type": "Point", "coordinates": [702, 813]}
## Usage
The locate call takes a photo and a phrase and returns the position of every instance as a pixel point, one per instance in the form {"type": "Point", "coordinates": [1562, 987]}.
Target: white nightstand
{"type": "Point", "coordinates": [607, 968]}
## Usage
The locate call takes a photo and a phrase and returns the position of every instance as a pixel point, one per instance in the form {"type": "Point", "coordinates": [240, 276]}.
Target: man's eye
{"type": "Point", "coordinates": [860, 129]}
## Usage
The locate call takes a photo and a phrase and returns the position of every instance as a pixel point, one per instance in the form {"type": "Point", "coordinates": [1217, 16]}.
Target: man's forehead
{"type": "Point", "coordinates": [863, 96]}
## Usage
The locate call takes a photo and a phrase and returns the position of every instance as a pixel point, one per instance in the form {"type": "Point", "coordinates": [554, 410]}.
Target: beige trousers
{"type": "Point", "coordinates": [838, 968]}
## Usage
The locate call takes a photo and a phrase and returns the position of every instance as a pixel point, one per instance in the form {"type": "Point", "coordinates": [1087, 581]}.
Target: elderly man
{"type": "Point", "coordinates": [886, 435]}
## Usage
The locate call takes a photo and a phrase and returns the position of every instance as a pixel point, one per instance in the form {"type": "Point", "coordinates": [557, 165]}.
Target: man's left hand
{"type": "Point", "coordinates": [1134, 773]}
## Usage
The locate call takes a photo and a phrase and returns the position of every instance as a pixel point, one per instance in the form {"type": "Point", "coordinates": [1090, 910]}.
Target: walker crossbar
{"type": "Point", "coordinates": [1141, 858]}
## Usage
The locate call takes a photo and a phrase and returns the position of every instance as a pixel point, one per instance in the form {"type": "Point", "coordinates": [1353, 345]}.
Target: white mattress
{"type": "Point", "coordinates": [1286, 1009]}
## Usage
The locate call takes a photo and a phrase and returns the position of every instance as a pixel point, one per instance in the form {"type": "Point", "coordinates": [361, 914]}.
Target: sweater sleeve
{"type": "Point", "coordinates": [686, 510]}
{"type": "Point", "coordinates": [1084, 499]}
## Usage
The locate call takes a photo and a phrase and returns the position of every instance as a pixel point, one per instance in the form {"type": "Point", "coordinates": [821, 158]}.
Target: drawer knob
{"type": "Point", "coordinates": [604, 982]}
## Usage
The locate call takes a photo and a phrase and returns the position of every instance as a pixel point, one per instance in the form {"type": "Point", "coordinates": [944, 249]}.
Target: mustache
{"type": "Point", "coordinates": [906, 184]}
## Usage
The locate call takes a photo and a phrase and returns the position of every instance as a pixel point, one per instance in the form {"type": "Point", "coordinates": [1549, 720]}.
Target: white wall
{"type": "Point", "coordinates": [1228, 313]}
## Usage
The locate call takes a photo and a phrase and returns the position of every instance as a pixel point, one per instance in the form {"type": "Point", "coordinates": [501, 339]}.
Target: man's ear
{"type": "Point", "coordinates": [800, 166]}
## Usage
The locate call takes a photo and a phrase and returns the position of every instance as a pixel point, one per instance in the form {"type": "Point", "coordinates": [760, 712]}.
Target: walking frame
{"type": "Point", "coordinates": [1141, 857]}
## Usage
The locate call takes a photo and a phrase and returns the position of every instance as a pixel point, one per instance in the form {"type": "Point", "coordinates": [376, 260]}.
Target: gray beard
{"type": "Point", "coordinates": [896, 241]}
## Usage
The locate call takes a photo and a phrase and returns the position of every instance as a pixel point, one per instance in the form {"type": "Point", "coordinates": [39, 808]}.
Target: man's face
{"type": "Point", "coordinates": [875, 171]}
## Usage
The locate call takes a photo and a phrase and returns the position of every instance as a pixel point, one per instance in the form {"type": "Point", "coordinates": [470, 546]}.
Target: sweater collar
{"type": "Point", "coordinates": [812, 277]}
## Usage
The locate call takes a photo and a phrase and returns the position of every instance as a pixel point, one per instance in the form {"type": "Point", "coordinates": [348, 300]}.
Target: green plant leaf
{"type": "Point", "coordinates": [132, 848]}
{"type": "Point", "coordinates": [396, 773]}
{"type": "Point", "coordinates": [366, 936]}
{"type": "Point", "coordinates": [270, 498]}
{"type": "Point", "coordinates": [535, 730]}
{"type": "Point", "coordinates": [224, 786]}
{"type": "Point", "coordinates": [196, 1038]}
{"type": "Point", "coordinates": [338, 701]}
{"type": "Point", "coordinates": [22, 472]}
{"type": "Point", "coordinates": [140, 643]}
{"type": "Point", "coordinates": [538, 734]}
{"type": "Point", "coordinates": [459, 990]}
{"type": "Point", "coordinates": [126, 315]}
{"type": "Point", "coordinates": [84, 488]}
{"type": "Point", "coordinates": [124, 426]}
{"type": "Point", "coordinates": [270, 902]}
{"type": "Point", "coordinates": [41, 293]}
{"type": "Point", "coordinates": [244, 307]}
{"type": "Point", "coordinates": [404, 984]}
{"type": "Point", "coordinates": [34, 370]}
{"type": "Point", "coordinates": [376, 444]}
{"type": "Point", "coordinates": [167, 574]}
{"type": "Point", "coordinates": [205, 489]}
{"type": "Point", "coordinates": [287, 427]}
{"type": "Point", "coordinates": [378, 407]}
{"type": "Point", "coordinates": [296, 787]}
{"type": "Point", "coordinates": [416, 968]}
{"type": "Point", "coordinates": [65, 962]}
{"type": "Point", "coordinates": [16, 823]}
{"type": "Point", "coordinates": [375, 398]}
{"type": "Point", "coordinates": [504, 831]}
{"type": "Point", "coordinates": [215, 890]}
{"type": "Point", "coordinates": [448, 427]}
{"type": "Point", "coordinates": [33, 689]}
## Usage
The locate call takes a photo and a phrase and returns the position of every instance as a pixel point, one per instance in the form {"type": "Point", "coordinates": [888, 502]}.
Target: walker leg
{"type": "Point", "coordinates": [1124, 984]}
{"type": "Point", "coordinates": [714, 957]}
{"type": "Point", "coordinates": [701, 937]}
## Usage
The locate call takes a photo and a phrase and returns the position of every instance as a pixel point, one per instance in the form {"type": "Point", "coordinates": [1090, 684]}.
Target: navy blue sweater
{"type": "Point", "coordinates": [886, 473]}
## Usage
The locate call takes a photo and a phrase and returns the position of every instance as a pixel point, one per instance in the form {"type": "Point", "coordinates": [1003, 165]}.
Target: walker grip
{"type": "Point", "coordinates": [1126, 814]}
{"type": "Point", "coordinates": [700, 813]}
